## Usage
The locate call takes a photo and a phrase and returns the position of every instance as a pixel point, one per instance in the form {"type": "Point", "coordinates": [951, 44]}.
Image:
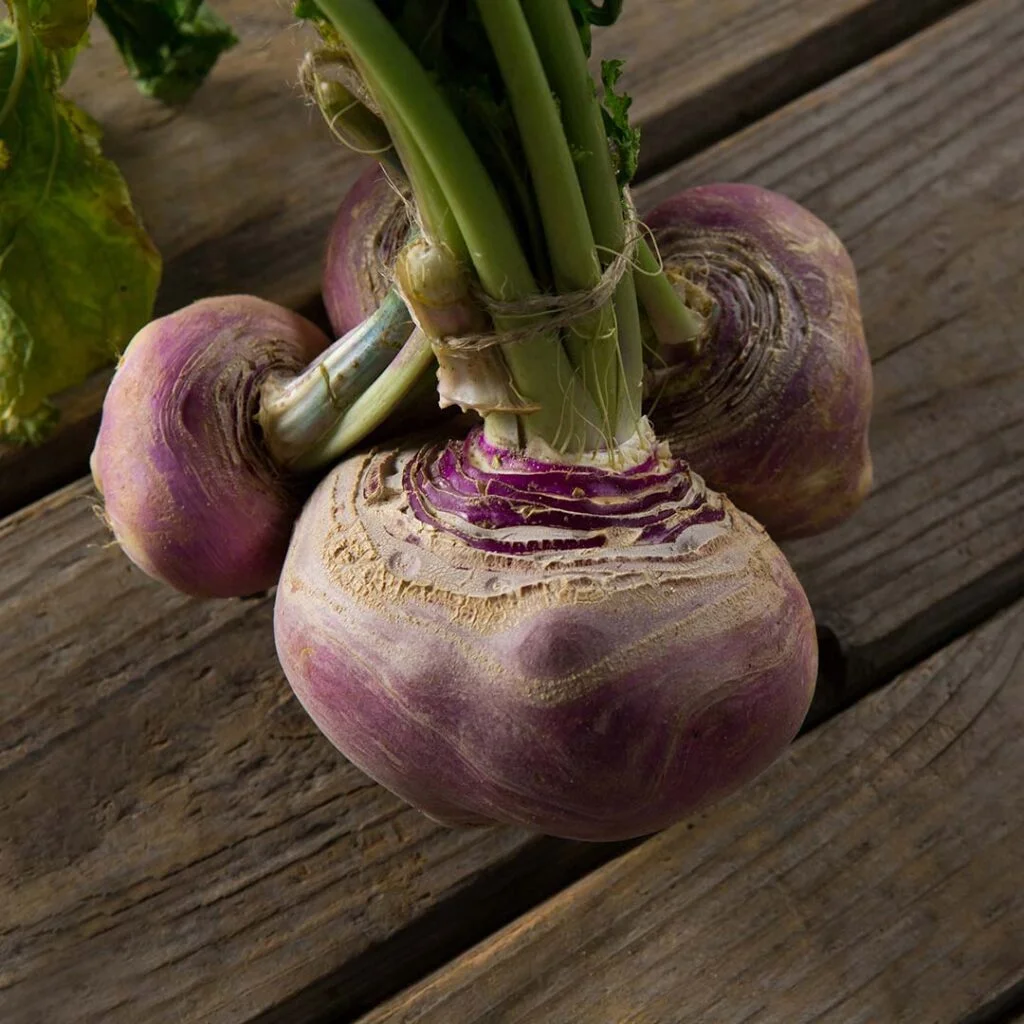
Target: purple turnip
{"type": "Point", "coordinates": [189, 489]}
{"type": "Point", "coordinates": [772, 402]}
{"type": "Point", "coordinates": [369, 229]}
{"type": "Point", "coordinates": [552, 622]}
{"type": "Point", "coordinates": [210, 413]}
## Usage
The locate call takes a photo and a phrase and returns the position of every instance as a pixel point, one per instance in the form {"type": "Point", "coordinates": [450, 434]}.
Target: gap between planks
{"type": "Point", "coordinates": [125, 740]}
{"type": "Point", "coordinates": [232, 212]}
{"type": "Point", "coordinates": [1006, 1008]}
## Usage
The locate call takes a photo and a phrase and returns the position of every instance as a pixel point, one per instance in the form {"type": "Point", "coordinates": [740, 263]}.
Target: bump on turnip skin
{"type": "Point", "coordinates": [369, 229]}
{"type": "Point", "coordinates": [189, 490]}
{"type": "Point", "coordinates": [587, 653]}
{"type": "Point", "coordinates": [775, 409]}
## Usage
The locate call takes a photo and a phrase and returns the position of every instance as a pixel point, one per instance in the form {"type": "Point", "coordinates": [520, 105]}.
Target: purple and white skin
{"type": "Point", "coordinates": [369, 229]}
{"type": "Point", "coordinates": [773, 407]}
{"type": "Point", "coordinates": [190, 492]}
{"type": "Point", "coordinates": [587, 653]}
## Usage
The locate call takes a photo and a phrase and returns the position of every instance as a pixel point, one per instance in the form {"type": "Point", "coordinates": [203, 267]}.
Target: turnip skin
{"type": "Point", "coordinates": [775, 410]}
{"type": "Point", "coordinates": [369, 228]}
{"type": "Point", "coordinates": [594, 694]}
{"type": "Point", "coordinates": [189, 490]}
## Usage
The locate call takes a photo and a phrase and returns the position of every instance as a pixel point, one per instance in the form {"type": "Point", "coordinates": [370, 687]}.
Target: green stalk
{"type": "Point", "coordinates": [565, 63]}
{"type": "Point", "coordinates": [592, 342]}
{"type": "Point", "coordinates": [673, 322]}
{"type": "Point", "coordinates": [23, 40]}
{"type": "Point", "coordinates": [374, 405]}
{"type": "Point", "coordinates": [347, 118]}
{"type": "Point", "coordinates": [296, 413]}
{"type": "Point", "coordinates": [540, 367]}
{"type": "Point", "coordinates": [435, 214]}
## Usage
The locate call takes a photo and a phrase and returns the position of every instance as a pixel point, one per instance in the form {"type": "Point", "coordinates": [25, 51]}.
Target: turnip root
{"type": "Point", "coordinates": [216, 417]}
{"type": "Point", "coordinates": [772, 404]}
{"type": "Point", "coordinates": [188, 486]}
{"type": "Point", "coordinates": [591, 653]}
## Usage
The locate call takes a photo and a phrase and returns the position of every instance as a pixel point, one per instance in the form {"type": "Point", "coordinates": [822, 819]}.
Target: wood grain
{"type": "Point", "coordinates": [914, 160]}
{"type": "Point", "coordinates": [710, 69]}
{"type": "Point", "coordinates": [180, 843]}
{"type": "Point", "coordinates": [183, 845]}
{"type": "Point", "coordinates": [874, 874]}
{"type": "Point", "coordinates": [238, 187]}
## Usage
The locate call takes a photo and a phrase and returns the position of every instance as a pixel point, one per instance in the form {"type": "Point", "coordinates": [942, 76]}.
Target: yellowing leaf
{"type": "Point", "coordinates": [78, 274]}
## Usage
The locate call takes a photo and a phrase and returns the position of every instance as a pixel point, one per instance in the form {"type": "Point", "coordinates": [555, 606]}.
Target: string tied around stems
{"type": "Point", "coordinates": [542, 314]}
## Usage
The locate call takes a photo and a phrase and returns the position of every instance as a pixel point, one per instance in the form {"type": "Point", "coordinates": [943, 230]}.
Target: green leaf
{"type": "Point", "coordinates": [168, 46]}
{"type": "Point", "coordinates": [59, 24]}
{"type": "Point", "coordinates": [624, 139]}
{"type": "Point", "coordinates": [78, 274]}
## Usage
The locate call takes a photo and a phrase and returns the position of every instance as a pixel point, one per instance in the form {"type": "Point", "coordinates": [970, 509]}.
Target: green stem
{"type": "Point", "coordinates": [540, 367]}
{"type": "Point", "coordinates": [673, 322]}
{"type": "Point", "coordinates": [375, 405]}
{"type": "Point", "coordinates": [295, 413]}
{"type": "Point", "coordinates": [565, 63]}
{"type": "Point", "coordinates": [23, 40]}
{"type": "Point", "coordinates": [435, 215]}
{"type": "Point", "coordinates": [592, 342]}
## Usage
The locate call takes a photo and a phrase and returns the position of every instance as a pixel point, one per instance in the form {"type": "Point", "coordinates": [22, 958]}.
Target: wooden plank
{"type": "Point", "coordinates": [874, 874]}
{"type": "Point", "coordinates": [914, 160]}
{"type": "Point", "coordinates": [184, 841]}
{"type": "Point", "coordinates": [180, 843]}
{"type": "Point", "coordinates": [709, 70]}
{"type": "Point", "coordinates": [238, 188]}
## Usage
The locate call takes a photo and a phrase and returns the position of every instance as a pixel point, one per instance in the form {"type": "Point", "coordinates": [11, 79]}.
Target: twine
{"type": "Point", "coordinates": [548, 313]}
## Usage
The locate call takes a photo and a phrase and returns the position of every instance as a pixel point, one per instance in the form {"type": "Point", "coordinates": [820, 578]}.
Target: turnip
{"type": "Point", "coordinates": [552, 622]}
{"type": "Point", "coordinates": [211, 410]}
{"type": "Point", "coordinates": [771, 399]}
{"type": "Point", "coordinates": [587, 652]}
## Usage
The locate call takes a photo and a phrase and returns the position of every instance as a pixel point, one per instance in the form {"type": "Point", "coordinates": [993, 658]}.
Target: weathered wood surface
{"type": "Point", "coordinates": [872, 875]}
{"type": "Point", "coordinates": [712, 68]}
{"type": "Point", "coordinates": [238, 188]}
{"type": "Point", "coordinates": [183, 845]}
{"type": "Point", "coordinates": [915, 161]}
